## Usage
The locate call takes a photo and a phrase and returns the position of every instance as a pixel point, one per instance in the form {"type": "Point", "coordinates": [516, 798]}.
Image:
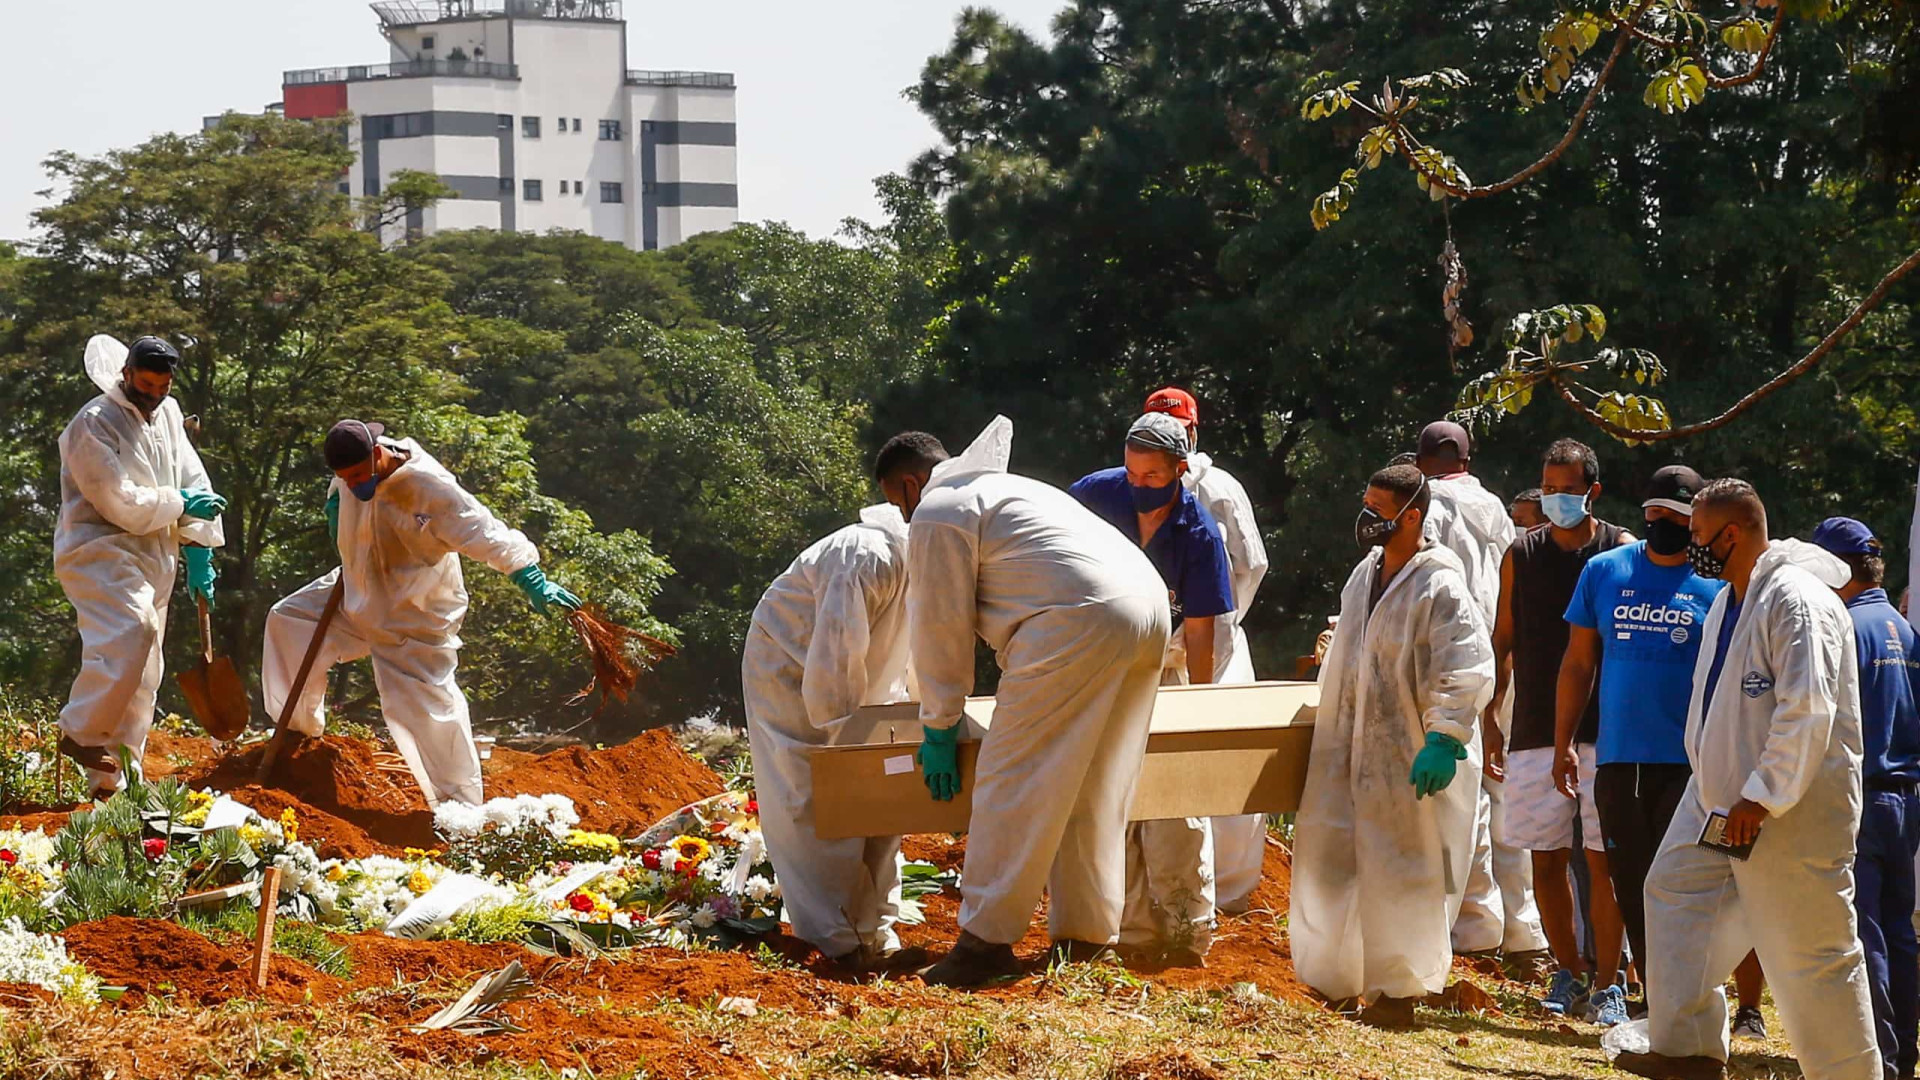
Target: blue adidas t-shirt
{"type": "Point", "coordinates": [1649, 618]}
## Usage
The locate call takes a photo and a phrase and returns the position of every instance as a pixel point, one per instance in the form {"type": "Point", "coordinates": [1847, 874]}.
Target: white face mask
{"type": "Point", "coordinates": [1565, 511]}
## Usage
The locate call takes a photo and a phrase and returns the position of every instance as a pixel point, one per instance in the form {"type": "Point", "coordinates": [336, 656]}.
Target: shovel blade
{"type": "Point", "coordinates": [217, 697]}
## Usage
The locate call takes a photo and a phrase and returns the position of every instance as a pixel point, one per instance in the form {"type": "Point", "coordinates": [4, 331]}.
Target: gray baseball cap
{"type": "Point", "coordinates": [1159, 431]}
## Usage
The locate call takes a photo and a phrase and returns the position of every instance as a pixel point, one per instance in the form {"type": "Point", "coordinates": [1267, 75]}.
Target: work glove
{"type": "Point", "coordinates": [1433, 766]}
{"type": "Point", "coordinates": [202, 504]}
{"type": "Point", "coordinates": [333, 516]}
{"type": "Point", "coordinates": [939, 758]}
{"type": "Point", "coordinates": [200, 572]}
{"type": "Point", "coordinates": [541, 592]}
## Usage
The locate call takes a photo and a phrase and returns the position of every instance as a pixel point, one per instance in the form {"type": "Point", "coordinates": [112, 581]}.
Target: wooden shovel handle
{"type": "Point", "coordinates": [272, 752]}
{"type": "Point", "coordinates": [206, 632]}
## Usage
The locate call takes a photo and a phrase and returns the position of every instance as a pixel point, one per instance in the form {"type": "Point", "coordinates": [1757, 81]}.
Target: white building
{"type": "Point", "coordinates": [527, 109]}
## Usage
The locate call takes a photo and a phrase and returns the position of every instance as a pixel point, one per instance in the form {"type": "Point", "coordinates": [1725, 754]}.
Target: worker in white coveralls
{"type": "Point", "coordinates": [829, 635]}
{"type": "Point", "coordinates": [1169, 909]}
{"type": "Point", "coordinates": [1239, 842]}
{"type": "Point", "coordinates": [1078, 620]}
{"type": "Point", "coordinates": [1774, 738]}
{"type": "Point", "coordinates": [1497, 912]}
{"type": "Point", "coordinates": [400, 532]}
{"type": "Point", "coordinates": [135, 503]}
{"type": "Point", "coordinates": [1385, 830]}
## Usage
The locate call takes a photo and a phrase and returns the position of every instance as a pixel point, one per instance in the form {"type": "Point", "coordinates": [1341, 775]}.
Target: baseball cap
{"type": "Point", "coordinates": [349, 443]}
{"type": "Point", "coordinates": [1176, 403]}
{"type": "Point", "coordinates": [1442, 434]}
{"type": "Point", "coordinates": [1845, 536]}
{"type": "Point", "coordinates": [1159, 431]}
{"type": "Point", "coordinates": [1673, 487]}
{"type": "Point", "coordinates": [153, 354]}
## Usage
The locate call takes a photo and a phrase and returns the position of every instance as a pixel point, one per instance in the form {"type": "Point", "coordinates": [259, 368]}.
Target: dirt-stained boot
{"type": "Point", "coordinates": [973, 962]}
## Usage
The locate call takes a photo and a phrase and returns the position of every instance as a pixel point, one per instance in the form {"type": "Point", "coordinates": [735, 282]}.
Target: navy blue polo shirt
{"type": "Point", "coordinates": [1186, 549]}
{"type": "Point", "coordinates": [1889, 664]}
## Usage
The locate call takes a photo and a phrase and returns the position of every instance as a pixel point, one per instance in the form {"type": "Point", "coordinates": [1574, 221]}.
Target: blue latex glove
{"type": "Point", "coordinates": [333, 516]}
{"type": "Point", "coordinates": [200, 572]}
{"type": "Point", "coordinates": [202, 504]}
{"type": "Point", "coordinates": [939, 758]}
{"type": "Point", "coordinates": [1433, 766]}
{"type": "Point", "coordinates": [541, 592]}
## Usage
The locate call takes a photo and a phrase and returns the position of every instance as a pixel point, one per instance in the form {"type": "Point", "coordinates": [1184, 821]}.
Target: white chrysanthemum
{"type": "Point", "coordinates": [758, 888]}
{"type": "Point", "coordinates": [704, 918]}
{"type": "Point", "coordinates": [41, 960]}
{"type": "Point", "coordinates": [457, 819]}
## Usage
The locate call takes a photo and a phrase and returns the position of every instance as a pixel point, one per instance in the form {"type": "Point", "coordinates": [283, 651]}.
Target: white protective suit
{"type": "Point", "coordinates": [1377, 873]}
{"type": "Point", "coordinates": [1239, 842]}
{"type": "Point", "coordinates": [404, 601]}
{"type": "Point", "coordinates": [1783, 729]}
{"type": "Point", "coordinates": [829, 635]}
{"type": "Point", "coordinates": [1498, 910]}
{"type": "Point", "coordinates": [116, 551]}
{"type": "Point", "coordinates": [1078, 620]}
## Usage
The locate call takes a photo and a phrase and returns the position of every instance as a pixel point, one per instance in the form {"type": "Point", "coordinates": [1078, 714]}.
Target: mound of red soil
{"type": "Point", "coordinates": [620, 790]}
{"type": "Point", "coordinates": [157, 957]}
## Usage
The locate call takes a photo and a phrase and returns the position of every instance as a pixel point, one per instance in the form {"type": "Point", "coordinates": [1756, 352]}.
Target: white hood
{"type": "Point", "coordinates": [1832, 570]}
{"type": "Point", "coordinates": [106, 359]}
{"type": "Point", "coordinates": [990, 452]}
{"type": "Point", "coordinates": [1198, 465]}
{"type": "Point", "coordinates": [886, 518]}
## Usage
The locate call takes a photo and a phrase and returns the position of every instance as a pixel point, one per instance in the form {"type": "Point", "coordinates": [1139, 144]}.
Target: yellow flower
{"type": "Point", "coordinates": [289, 825]}
{"type": "Point", "coordinates": [252, 834]}
{"type": "Point", "coordinates": [414, 854]}
{"type": "Point", "coordinates": [691, 849]}
{"type": "Point", "coordinates": [597, 843]}
{"type": "Point", "coordinates": [337, 873]}
{"type": "Point", "coordinates": [418, 882]}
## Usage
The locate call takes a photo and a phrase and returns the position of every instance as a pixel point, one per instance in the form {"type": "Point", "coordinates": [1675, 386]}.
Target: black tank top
{"type": "Point", "coordinates": [1544, 576]}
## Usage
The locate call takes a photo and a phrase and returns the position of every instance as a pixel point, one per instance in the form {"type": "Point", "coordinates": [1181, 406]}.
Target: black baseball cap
{"type": "Point", "coordinates": [349, 443]}
{"type": "Point", "coordinates": [153, 354]}
{"type": "Point", "coordinates": [1673, 487]}
{"type": "Point", "coordinates": [1442, 434]}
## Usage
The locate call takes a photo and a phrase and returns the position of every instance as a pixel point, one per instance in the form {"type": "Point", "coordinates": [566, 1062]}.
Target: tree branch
{"type": "Point", "coordinates": [1760, 61]}
{"type": "Point", "coordinates": [1800, 367]}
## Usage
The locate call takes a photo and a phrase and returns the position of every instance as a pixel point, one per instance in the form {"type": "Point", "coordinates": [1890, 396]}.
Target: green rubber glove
{"type": "Point", "coordinates": [1433, 766]}
{"type": "Point", "coordinates": [939, 758]}
{"type": "Point", "coordinates": [333, 516]}
{"type": "Point", "coordinates": [200, 571]}
{"type": "Point", "coordinates": [541, 592]}
{"type": "Point", "coordinates": [202, 504]}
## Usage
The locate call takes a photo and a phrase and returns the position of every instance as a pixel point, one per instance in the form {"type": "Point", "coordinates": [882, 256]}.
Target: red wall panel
{"type": "Point", "coordinates": [311, 102]}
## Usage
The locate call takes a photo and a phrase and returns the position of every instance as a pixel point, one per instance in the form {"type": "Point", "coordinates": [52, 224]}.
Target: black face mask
{"type": "Point", "coordinates": [1372, 529]}
{"type": "Point", "coordinates": [1666, 536]}
{"type": "Point", "coordinates": [146, 403]}
{"type": "Point", "coordinates": [1705, 562]}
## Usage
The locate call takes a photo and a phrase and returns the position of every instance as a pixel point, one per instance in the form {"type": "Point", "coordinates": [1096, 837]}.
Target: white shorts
{"type": "Point", "coordinates": [1538, 817]}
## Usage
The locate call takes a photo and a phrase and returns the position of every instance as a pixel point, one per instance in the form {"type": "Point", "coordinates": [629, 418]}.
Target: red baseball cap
{"type": "Point", "coordinates": [1176, 403]}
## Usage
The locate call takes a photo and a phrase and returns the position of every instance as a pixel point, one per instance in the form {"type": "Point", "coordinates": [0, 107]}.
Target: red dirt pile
{"type": "Point", "coordinates": [157, 957]}
{"type": "Point", "coordinates": [620, 790]}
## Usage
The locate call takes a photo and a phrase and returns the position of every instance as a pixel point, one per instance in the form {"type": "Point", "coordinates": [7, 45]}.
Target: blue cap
{"type": "Point", "coordinates": [1845, 536]}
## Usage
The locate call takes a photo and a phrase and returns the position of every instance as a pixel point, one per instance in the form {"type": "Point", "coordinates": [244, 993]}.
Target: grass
{"type": "Point", "coordinates": [1086, 1022]}
{"type": "Point", "coordinates": [303, 941]}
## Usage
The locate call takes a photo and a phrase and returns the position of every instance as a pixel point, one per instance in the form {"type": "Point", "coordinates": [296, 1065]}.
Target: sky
{"type": "Point", "coordinates": [820, 109]}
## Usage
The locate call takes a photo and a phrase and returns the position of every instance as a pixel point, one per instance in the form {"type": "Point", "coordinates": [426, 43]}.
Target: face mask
{"type": "Point", "coordinates": [146, 403]}
{"type": "Point", "coordinates": [364, 491]}
{"type": "Point", "coordinates": [1667, 537]}
{"type": "Point", "coordinates": [1148, 499]}
{"type": "Point", "coordinates": [1705, 562]}
{"type": "Point", "coordinates": [1566, 511]}
{"type": "Point", "coordinates": [1370, 530]}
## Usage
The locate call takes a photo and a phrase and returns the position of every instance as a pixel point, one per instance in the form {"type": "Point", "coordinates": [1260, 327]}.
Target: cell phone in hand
{"type": "Point", "coordinates": [1714, 836]}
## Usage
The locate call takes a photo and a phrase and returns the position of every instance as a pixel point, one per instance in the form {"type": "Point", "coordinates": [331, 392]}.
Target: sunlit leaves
{"type": "Point", "coordinates": [1432, 165]}
{"type": "Point", "coordinates": [1571, 35]}
{"type": "Point", "coordinates": [1377, 142]}
{"type": "Point", "coordinates": [1678, 87]}
{"type": "Point", "coordinates": [1747, 35]}
{"type": "Point", "coordinates": [1561, 324]}
{"type": "Point", "coordinates": [1639, 365]}
{"type": "Point", "coordinates": [1329, 101]}
{"type": "Point", "coordinates": [1445, 78]}
{"type": "Point", "coordinates": [1635, 412]}
{"type": "Point", "coordinates": [1540, 349]}
{"type": "Point", "coordinates": [1331, 203]}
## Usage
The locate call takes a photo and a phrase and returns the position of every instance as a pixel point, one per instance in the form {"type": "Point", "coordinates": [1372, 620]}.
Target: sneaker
{"type": "Point", "coordinates": [1607, 1007]}
{"type": "Point", "coordinates": [1565, 994]}
{"type": "Point", "coordinates": [1749, 1024]}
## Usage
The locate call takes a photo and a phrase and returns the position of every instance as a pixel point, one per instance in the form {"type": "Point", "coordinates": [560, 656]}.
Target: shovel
{"type": "Point", "coordinates": [214, 690]}
{"type": "Point", "coordinates": [280, 729]}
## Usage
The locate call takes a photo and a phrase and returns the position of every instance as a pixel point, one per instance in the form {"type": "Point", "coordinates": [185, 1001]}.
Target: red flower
{"type": "Point", "coordinates": [753, 806]}
{"type": "Point", "coordinates": [682, 866]}
{"type": "Point", "coordinates": [580, 902]}
{"type": "Point", "coordinates": [155, 847]}
{"type": "Point", "coordinates": [650, 859]}
{"type": "Point", "coordinates": [8, 858]}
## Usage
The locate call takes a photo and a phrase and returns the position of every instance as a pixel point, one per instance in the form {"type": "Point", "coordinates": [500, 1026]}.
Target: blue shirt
{"type": "Point", "coordinates": [1889, 719]}
{"type": "Point", "coordinates": [1186, 548]}
{"type": "Point", "coordinates": [1727, 622]}
{"type": "Point", "coordinates": [1649, 618]}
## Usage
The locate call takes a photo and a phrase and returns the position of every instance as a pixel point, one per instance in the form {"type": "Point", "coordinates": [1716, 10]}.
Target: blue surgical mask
{"type": "Point", "coordinates": [1565, 511]}
{"type": "Point", "coordinates": [364, 491]}
{"type": "Point", "coordinates": [1148, 499]}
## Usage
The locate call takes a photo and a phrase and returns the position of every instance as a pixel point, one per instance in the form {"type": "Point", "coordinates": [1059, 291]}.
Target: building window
{"type": "Point", "coordinates": [579, 187]}
{"type": "Point", "coordinates": [609, 131]}
{"type": "Point", "coordinates": [529, 127]}
{"type": "Point", "coordinates": [346, 188]}
{"type": "Point", "coordinates": [609, 192]}
{"type": "Point", "coordinates": [426, 43]}
{"type": "Point", "coordinates": [530, 190]}
{"type": "Point", "coordinates": [576, 123]}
